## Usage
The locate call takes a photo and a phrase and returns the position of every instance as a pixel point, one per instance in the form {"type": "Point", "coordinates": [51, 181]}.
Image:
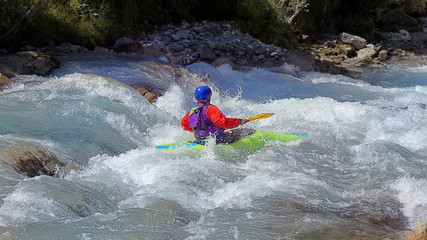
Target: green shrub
{"type": "Point", "coordinates": [272, 21]}
{"type": "Point", "coordinates": [95, 22]}
{"type": "Point", "coordinates": [16, 16]}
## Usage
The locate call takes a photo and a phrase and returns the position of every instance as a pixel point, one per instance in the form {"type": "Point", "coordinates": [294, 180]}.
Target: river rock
{"type": "Point", "coordinates": [417, 233]}
{"type": "Point", "coordinates": [33, 161]}
{"type": "Point", "coordinates": [149, 92]}
{"type": "Point", "coordinates": [29, 62]}
{"type": "Point", "coordinates": [128, 45]}
{"type": "Point", "coordinates": [303, 60]}
{"type": "Point", "coordinates": [7, 71]}
{"type": "Point", "coordinates": [383, 55]}
{"type": "Point", "coordinates": [169, 74]}
{"type": "Point", "coordinates": [206, 41]}
{"type": "Point", "coordinates": [221, 61]}
{"type": "Point", "coordinates": [366, 53]}
{"type": "Point", "coordinates": [4, 81]}
{"type": "Point", "coordinates": [63, 49]}
{"type": "Point", "coordinates": [356, 41]}
{"type": "Point", "coordinates": [208, 56]}
{"type": "Point", "coordinates": [347, 50]}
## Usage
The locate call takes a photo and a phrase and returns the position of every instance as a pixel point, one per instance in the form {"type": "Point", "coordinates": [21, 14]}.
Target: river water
{"type": "Point", "coordinates": [359, 174]}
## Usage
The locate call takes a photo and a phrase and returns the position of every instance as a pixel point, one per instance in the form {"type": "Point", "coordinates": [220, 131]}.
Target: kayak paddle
{"type": "Point", "coordinates": [260, 116]}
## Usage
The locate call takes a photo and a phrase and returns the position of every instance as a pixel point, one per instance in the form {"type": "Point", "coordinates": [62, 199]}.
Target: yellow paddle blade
{"type": "Point", "coordinates": [261, 116]}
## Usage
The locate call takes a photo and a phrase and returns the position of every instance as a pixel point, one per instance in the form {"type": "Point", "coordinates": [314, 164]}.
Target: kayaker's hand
{"type": "Point", "coordinates": [243, 121]}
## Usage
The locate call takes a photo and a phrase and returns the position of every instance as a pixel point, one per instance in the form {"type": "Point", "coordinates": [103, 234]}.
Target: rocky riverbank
{"type": "Point", "coordinates": [220, 43]}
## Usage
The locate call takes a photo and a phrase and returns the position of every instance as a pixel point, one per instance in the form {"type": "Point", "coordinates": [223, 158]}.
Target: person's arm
{"type": "Point", "coordinates": [185, 124]}
{"type": "Point", "coordinates": [220, 120]}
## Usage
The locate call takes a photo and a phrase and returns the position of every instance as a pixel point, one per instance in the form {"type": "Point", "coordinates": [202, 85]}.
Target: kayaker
{"type": "Point", "coordinates": [207, 120]}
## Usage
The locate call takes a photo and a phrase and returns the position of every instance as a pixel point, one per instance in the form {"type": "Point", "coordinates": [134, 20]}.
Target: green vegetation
{"type": "Point", "coordinates": [101, 22]}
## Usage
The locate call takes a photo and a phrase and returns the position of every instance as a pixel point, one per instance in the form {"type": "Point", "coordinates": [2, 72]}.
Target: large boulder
{"type": "Point", "coordinates": [28, 63]}
{"type": "Point", "coordinates": [356, 41]}
{"type": "Point", "coordinates": [149, 92]}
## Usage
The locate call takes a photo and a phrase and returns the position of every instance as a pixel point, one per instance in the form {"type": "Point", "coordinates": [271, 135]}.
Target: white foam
{"type": "Point", "coordinates": [24, 206]}
{"type": "Point", "coordinates": [411, 193]}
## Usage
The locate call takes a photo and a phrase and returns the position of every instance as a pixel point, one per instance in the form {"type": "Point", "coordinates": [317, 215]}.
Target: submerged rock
{"type": "Point", "coordinates": [149, 92]}
{"type": "Point", "coordinates": [4, 81]}
{"type": "Point", "coordinates": [33, 161]}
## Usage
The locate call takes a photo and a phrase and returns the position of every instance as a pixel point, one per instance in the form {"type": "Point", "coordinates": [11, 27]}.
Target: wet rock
{"type": "Point", "coordinates": [7, 71]}
{"type": "Point", "coordinates": [417, 233]}
{"type": "Point", "coordinates": [4, 81]}
{"type": "Point", "coordinates": [149, 92]}
{"type": "Point", "coordinates": [156, 52]}
{"type": "Point", "coordinates": [128, 45]}
{"type": "Point", "coordinates": [221, 61]}
{"type": "Point", "coordinates": [29, 62]}
{"type": "Point", "coordinates": [151, 97]}
{"type": "Point", "coordinates": [108, 79]}
{"type": "Point", "coordinates": [33, 161]}
{"type": "Point", "coordinates": [63, 49]}
{"type": "Point", "coordinates": [303, 60]}
{"type": "Point", "coordinates": [99, 49]}
{"type": "Point", "coordinates": [146, 90]}
{"type": "Point", "coordinates": [173, 74]}
{"type": "Point", "coordinates": [207, 56]}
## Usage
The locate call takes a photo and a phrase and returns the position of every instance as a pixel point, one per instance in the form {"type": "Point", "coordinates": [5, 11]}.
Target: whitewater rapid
{"type": "Point", "coordinates": [360, 174]}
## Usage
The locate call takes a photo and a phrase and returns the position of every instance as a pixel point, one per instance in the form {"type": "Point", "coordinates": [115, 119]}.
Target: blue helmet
{"type": "Point", "coordinates": [202, 93]}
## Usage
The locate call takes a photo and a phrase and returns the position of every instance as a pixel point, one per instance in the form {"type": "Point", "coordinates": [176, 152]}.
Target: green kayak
{"type": "Point", "coordinates": [249, 142]}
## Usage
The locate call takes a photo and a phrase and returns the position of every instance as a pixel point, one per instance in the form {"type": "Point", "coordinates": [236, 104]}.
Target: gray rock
{"type": "Point", "coordinates": [356, 41]}
{"type": "Point", "coordinates": [303, 60]}
{"type": "Point", "coordinates": [28, 62]}
{"type": "Point", "coordinates": [366, 53]}
{"type": "Point", "coordinates": [175, 37]}
{"type": "Point", "coordinates": [383, 55]}
{"type": "Point", "coordinates": [207, 55]}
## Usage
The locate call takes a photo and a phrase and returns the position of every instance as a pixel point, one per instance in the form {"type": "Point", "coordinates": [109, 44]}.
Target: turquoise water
{"type": "Point", "coordinates": [360, 174]}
